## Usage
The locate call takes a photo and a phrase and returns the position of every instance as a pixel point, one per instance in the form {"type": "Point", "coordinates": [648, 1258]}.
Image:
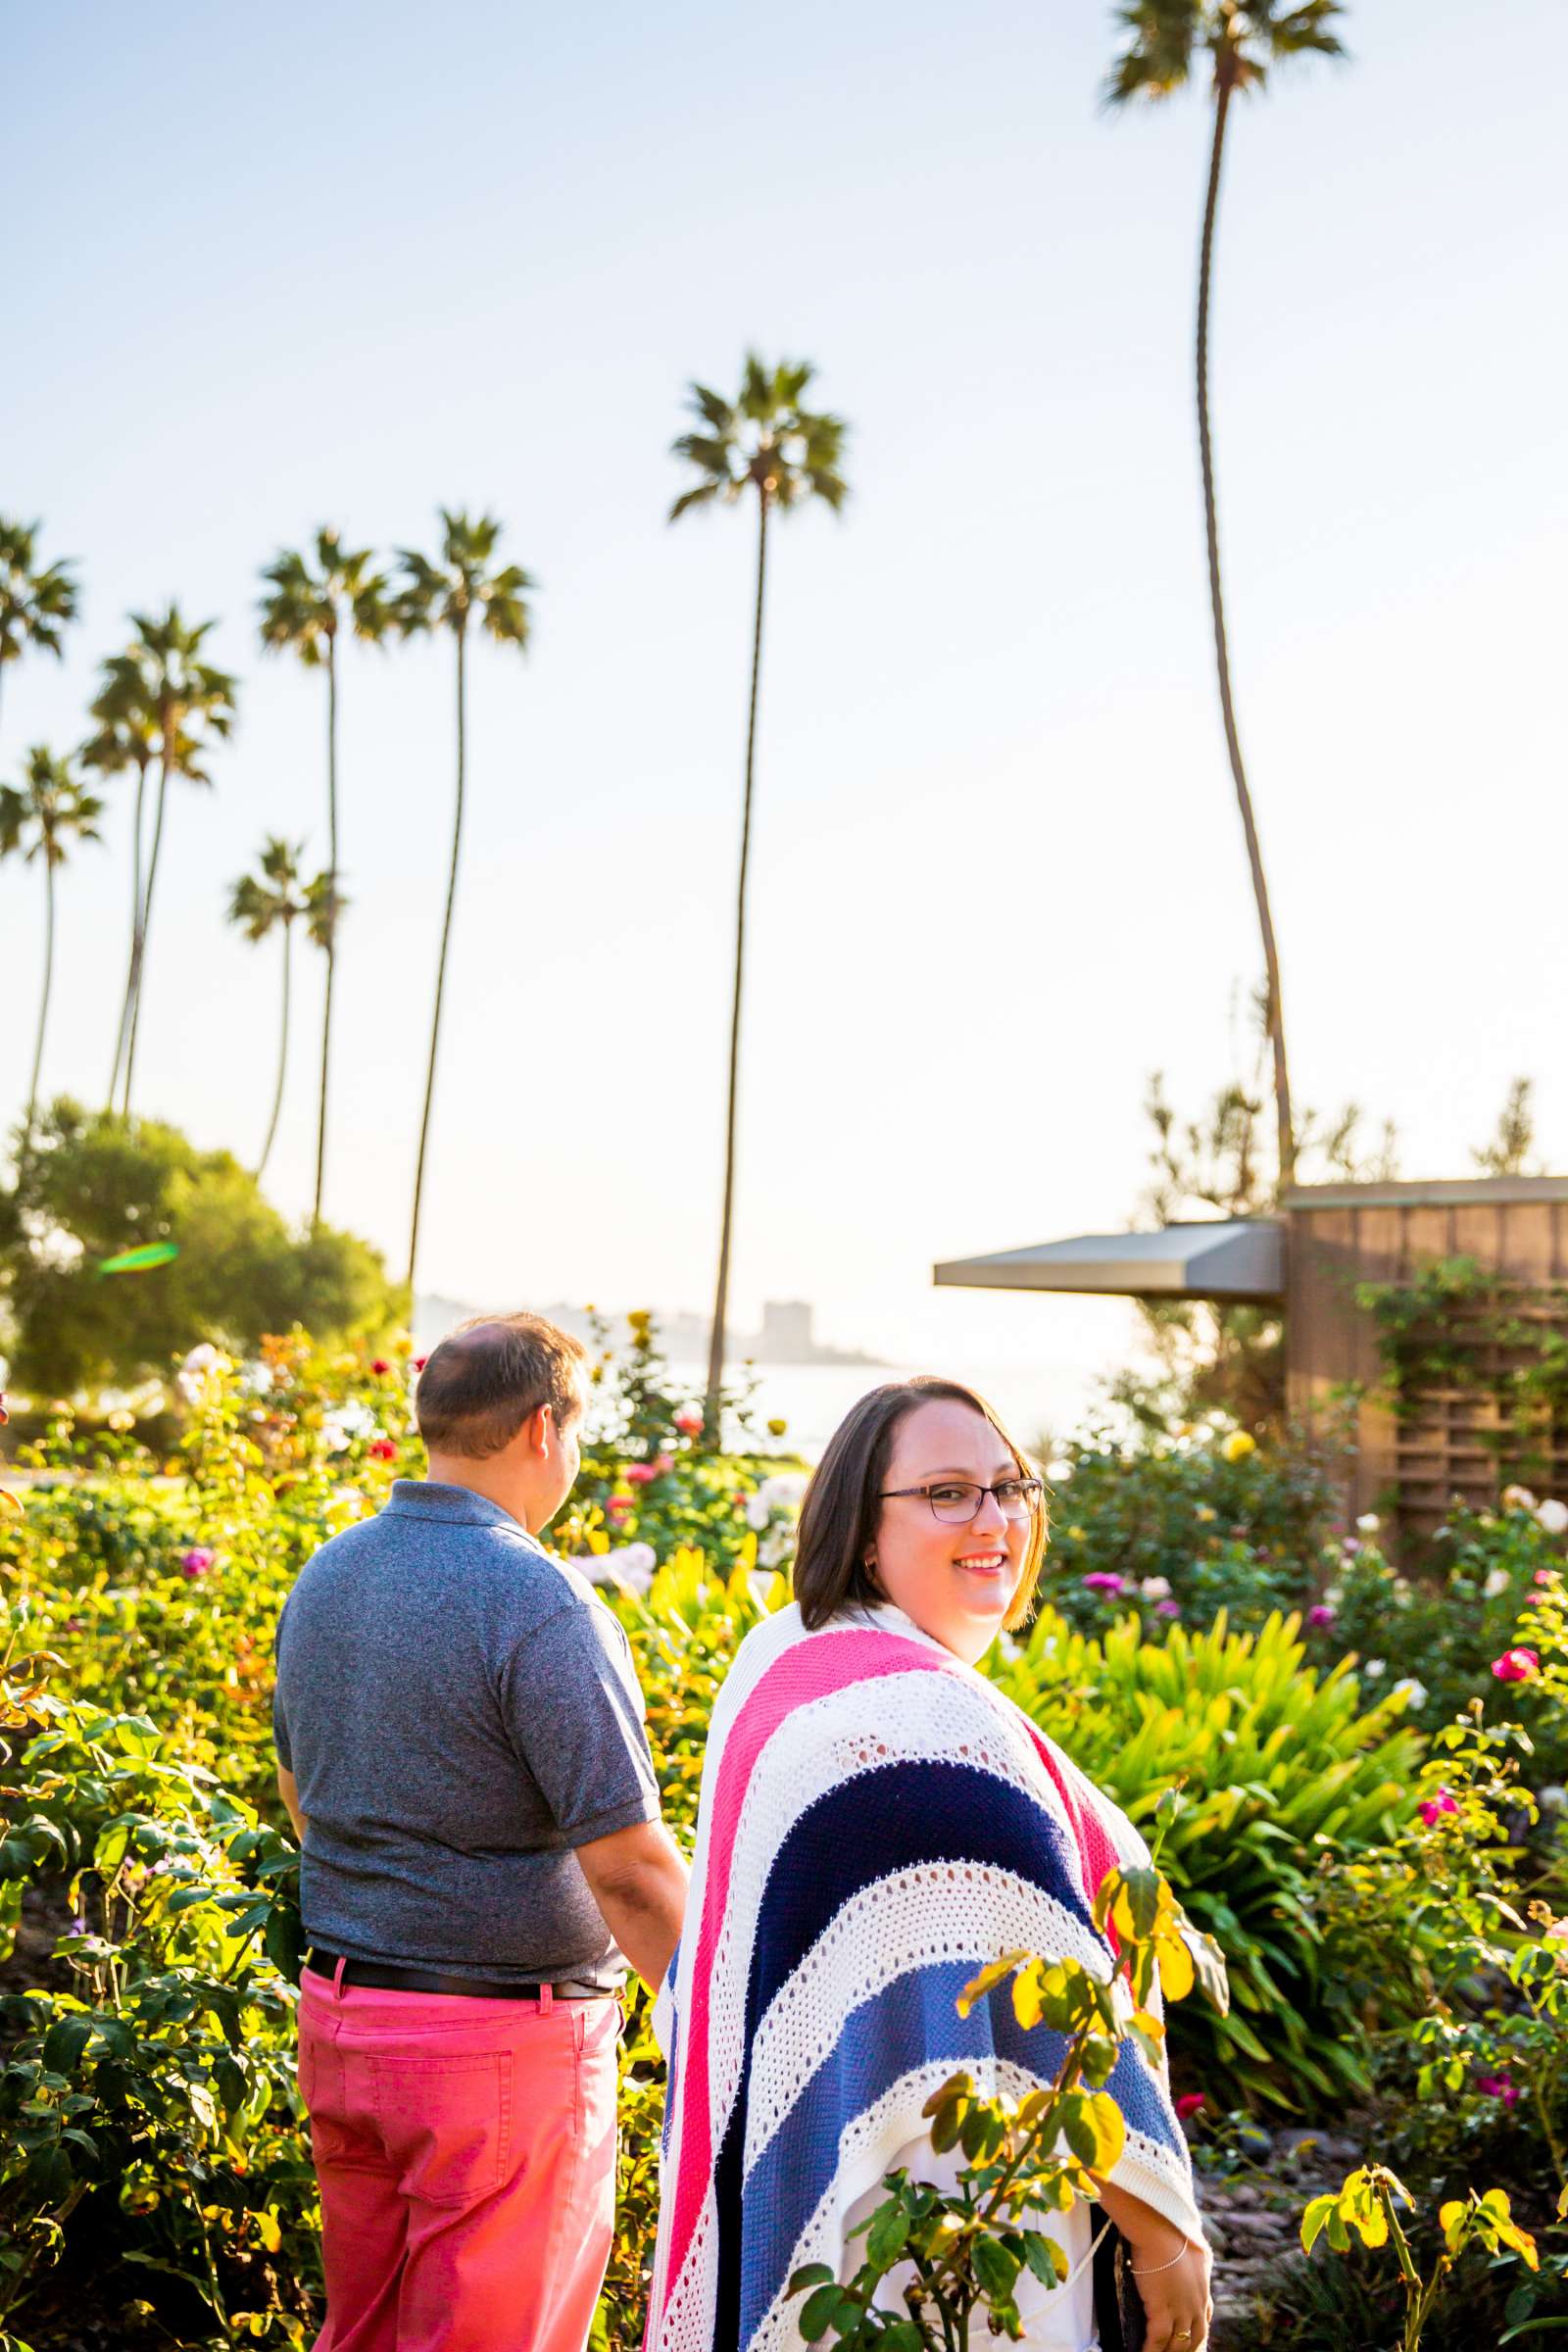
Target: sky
{"type": "Point", "coordinates": [298, 266]}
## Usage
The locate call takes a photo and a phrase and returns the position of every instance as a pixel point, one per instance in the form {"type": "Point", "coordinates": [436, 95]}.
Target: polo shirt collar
{"type": "Point", "coordinates": [428, 1498]}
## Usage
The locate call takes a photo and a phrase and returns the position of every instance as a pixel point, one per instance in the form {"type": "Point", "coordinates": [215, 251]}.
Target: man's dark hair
{"type": "Point", "coordinates": [491, 1375]}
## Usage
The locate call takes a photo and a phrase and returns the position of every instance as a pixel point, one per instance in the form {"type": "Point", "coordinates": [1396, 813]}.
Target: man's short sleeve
{"type": "Point", "coordinates": [574, 1712]}
{"type": "Point", "coordinates": [280, 1739]}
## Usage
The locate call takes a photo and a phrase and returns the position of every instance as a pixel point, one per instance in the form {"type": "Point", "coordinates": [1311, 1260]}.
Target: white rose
{"type": "Point", "coordinates": [1156, 1588]}
{"type": "Point", "coordinates": [1497, 1583]}
{"type": "Point", "coordinates": [1553, 1516]}
{"type": "Point", "coordinates": [1412, 1690]}
{"type": "Point", "coordinates": [198, 1367]}
{"type": "Point", "coordinates": [1375, 1666]}
{"type": "Point", "coordinates": [757, 1513]}
{"type": "Point", "coordinates": [631, 1566]}
{"type": "Point", "coordinates": [1518, 1498]}
{"type": "Point", "coordinates": [1369, 1523]}
{"type": "Point", "coordinates": [1553, 1800]}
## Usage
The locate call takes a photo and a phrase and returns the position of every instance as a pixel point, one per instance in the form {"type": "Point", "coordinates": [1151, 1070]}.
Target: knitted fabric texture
{"type": "Point", "coordinates": [876, 1823]}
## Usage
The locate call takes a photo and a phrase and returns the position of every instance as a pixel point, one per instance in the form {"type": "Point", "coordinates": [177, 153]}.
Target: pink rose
{"type": "Point", "coordinates": [1103, 1579]}
{"type": "Point", "coordinates": [1516, 1666]}
{"type": "Point", "coordinates": [638, 1474]}
{"type": "Point", "coordinates": [663, 1464]}
{"type": "Point", "coordinates": [1437, 1806]}
{"type": "Point", "coordinates": [618, 1505]}
{"type": "Point", "coordinates": [1321, 1614]}
{"type": "Point", "coordinates": [380, 1366]}
{"type": "Point", "coordinates": [688, 1421]}
{"type": "Point", "coordinates": [196, 1561]}
{"type": "Point", "coordinates": [1167, 1608]}
{"type": "Point", "coordinates": [1188, 2103]}
{"type": "Point", "coordinates": [1497, 2086]}
{"type": "Point", "coordinates": [381, 1449]}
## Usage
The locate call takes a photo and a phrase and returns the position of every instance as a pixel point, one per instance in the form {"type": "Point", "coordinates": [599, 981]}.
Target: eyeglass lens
{"type": "Point", "coordinates": [957, 1501]}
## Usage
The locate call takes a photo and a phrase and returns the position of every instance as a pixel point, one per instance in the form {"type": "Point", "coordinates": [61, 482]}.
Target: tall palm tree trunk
{"type": "Point", "coordinates": [48, 975]}
{"type": "Point", "coordinates": [715, 1345]}
{"type": "Point", "coordinates": [331, 936]}
{"type": "Point", "coordinates": [135, 935]}
{"type": "Point", "coordinates": [1271, 962]}
{"type": "Point", "coordinates": [440, 979]}
{"type": "Point", "coordinates": [139, 954]}
{"type": "Point", "coordinates": [282, 1053]}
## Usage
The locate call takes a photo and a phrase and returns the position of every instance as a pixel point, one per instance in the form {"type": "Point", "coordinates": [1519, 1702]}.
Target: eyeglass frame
{"type": "Point", "coordinates": [1033, 1490]}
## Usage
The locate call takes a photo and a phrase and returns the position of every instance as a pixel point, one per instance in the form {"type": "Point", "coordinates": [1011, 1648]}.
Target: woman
{"type": "Point", "coordinates": [876, 1823]}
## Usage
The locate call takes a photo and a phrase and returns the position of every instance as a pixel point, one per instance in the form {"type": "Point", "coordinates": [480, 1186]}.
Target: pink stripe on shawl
{"type": "Point", "coordinates": [807, 1671]}
{"type": "Point", "coordinates": [1095, 1853]}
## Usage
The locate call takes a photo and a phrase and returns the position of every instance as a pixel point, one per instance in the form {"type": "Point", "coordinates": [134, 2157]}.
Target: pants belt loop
{"type": "Point", "coordinates": [547, 1999]}
{"type": "Point", "coordinates": [337, 1979]}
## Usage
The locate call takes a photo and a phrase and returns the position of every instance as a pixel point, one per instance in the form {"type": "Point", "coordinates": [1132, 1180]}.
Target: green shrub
{"type": "Point", "coordinates": [1188, 1524]}
{"type": "Point", "coordinates": [1446, 1627]}
{"type": "Point", "coordinates": [157, 2081]}
{"type": "Point", "coordinates": [1282, 1768]}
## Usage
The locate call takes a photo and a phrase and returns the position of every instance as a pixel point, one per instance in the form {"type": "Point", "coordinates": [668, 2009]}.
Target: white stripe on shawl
{"type": "Point", "coordinates": [916, 1918]}
{"type": "Point", "coordinates": [869, 2145]}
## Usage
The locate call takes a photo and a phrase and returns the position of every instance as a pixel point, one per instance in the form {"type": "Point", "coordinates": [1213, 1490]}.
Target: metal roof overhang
{"type": "Point", "coordinates": [1237, 1260]}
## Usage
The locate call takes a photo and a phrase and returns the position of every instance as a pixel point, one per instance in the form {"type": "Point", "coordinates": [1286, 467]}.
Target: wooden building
{"type": "Point", "coordinates": [1451, 1437]}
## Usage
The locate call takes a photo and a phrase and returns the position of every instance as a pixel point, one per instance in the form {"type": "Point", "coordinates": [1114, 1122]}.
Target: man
{"type": "Point", "coordinates": [463, 1753]}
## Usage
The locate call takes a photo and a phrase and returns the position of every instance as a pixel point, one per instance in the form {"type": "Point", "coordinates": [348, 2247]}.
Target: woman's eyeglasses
{"type": "Point", "coordinates": [958, 1501]}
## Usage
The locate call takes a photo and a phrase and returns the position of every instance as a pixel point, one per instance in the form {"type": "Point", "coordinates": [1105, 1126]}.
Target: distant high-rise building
{"type": "Point", "coordinates": [786, 1335]}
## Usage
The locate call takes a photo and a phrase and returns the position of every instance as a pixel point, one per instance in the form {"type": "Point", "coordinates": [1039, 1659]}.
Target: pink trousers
{"type": "Point", "coordinates": [466, 2155]}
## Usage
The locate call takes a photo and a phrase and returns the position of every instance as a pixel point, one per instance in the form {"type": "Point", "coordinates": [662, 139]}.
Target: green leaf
{"type": "Point", "coordinates": [815, 2273]}
{"type": "Point", "coordinates": [65, 2043]}
{"type": "Point", "coordinates": [819, 2310]}
{"type": "Point", "coordinates": [888, 2236]}
{"type": "Point", "coordinates": [1044, 2257]}
{"type": "Point", "coordinates": [995, 2270]}
{"type": "Point", "coordinates": [1315, 2219]}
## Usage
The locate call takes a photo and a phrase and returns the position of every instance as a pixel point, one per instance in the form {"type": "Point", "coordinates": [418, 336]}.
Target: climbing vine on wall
{"type": "Point", "coordinates": [1455, 1326]}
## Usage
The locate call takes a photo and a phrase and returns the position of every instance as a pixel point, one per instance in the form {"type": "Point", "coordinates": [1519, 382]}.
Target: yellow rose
{"type": "Point", "coordinates": [1238, 1445]}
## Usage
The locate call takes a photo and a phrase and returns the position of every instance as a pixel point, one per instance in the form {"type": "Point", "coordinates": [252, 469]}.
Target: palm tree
{"type": "Point", "coordinates": [274, 899]}
{"type": "Point", "coordinates": [40, 821]}
{"type": "Point", "coordinates": [34, 605]}
{"type": "Point", "coordinates": [126, 737]}
{"type": "Point", "coordinates": [764, 442]}
{"type": "Point", "coordinates": [305, 613]}
{"type": "Point", "coordinates": [187, 704]}
{"type": "Point", "coordinates": [450, 595]}
{"type": "Point", "coordinates": [1165, 40]}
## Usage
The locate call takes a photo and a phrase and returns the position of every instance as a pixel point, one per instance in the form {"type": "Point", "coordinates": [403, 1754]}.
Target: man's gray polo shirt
{"type": "Point", "coordinates": [461, 1711]}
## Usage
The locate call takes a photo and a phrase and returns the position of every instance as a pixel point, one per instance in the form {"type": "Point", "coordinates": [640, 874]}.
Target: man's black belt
{"type": "Point", "coordinates": [372, 1975]}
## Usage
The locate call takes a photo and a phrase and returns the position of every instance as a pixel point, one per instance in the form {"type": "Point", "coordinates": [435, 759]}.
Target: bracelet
{"type": "Point", "coordinates": [1154, 2270]}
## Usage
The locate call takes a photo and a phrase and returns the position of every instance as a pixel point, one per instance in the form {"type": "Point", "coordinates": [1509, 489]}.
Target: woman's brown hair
{"type": "Point", "coordinates": [843, 1503]}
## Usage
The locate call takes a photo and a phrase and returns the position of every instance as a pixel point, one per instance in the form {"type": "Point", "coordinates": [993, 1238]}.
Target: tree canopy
{"type": "Point", "coordinates": [93, 1184]}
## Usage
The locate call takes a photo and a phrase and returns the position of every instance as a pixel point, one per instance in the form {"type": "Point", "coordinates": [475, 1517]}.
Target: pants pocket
{"type": "Point", "coordinates": [446, 2122]}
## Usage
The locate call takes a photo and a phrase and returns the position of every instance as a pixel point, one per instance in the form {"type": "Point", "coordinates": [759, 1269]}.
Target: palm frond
{"type": "Point", "coordinates": [765, 441]}
{"type": "Point", "coordinates": [693, 498]}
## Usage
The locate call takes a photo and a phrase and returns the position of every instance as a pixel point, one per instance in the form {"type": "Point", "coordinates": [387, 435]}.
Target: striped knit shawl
{"type": "Point", "coordinates": [876, 1822]}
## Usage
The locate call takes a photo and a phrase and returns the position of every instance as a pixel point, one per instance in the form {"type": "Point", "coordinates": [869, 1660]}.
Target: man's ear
{"type": "Point", "coordinates": [537, 1430]}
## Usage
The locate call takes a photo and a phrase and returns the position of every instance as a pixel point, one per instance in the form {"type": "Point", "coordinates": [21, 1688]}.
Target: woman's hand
{"type": "Point", "coordinates": [1169, 2271]}
{"type": "Point", "coordinates": [1174, 2293]}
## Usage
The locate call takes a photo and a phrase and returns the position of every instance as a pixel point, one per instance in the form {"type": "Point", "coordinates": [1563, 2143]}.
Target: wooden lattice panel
{"type": "Point", "coordinates": [1341, 1236]}
{"type": "Point", "coordinates": [1459, 1441]}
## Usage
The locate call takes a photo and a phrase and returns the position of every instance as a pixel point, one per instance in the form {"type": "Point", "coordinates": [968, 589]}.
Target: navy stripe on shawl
{"type": "Point", "coordinates": [898, 1817]}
